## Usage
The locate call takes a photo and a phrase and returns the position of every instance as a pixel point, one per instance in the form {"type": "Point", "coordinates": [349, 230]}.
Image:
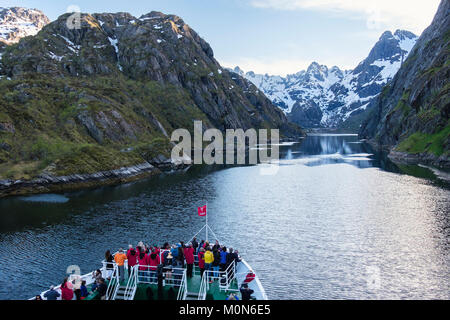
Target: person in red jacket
{"type": "Point", "coordinates": [142, 260]}
{"type": "Point", "coordinates": [189, 256]}
{"type": "Point", "coordinates": [66, 293]}
{"type": "Point", "coordinates": [153, 262]}
{"type": "Point", "coordinates": [132, 258]}
{"type": "Point", "coordinates": [201, 261]}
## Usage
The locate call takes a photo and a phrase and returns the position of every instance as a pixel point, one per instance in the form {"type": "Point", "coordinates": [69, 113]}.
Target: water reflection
{"type": "Point", "coordinates": [335, 209]}
{"type": "Point", "coordinates": [325, 149]}
{"type": "Point", "coordinates": [49, 198]}
{"type": "Point", "coordinates": [319, 150]}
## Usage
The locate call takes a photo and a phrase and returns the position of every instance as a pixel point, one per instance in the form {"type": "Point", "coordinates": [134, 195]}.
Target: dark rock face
{"type": "Point", "coordinates": [86, 120]}
{"type": "Point", "coordinates": [309, 114]}
{"type": "Point", "coordinates": [104, 97]}
{"type": "Point", "coordinates": [415, 107]}
{"type": "Point", "coordinates": [155, 47]}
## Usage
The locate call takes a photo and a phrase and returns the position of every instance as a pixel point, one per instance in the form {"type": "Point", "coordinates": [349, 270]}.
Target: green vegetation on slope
{"type": "Point", "coordinates": [80, 125]}
{"type": "Point", "coordinates": [426, 143]}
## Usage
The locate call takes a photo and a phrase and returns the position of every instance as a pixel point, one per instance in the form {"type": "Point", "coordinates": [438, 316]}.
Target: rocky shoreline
{"type": "Point", "coordinates": [421, 158]}
{"type": "Point", "coordinates": [410, 158]}
{"type": "Point", "coordinates": [47, 183]}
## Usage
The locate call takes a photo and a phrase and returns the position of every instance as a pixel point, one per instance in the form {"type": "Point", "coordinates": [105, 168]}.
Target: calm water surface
{"type": "Point", "coordinates": [338, 221]}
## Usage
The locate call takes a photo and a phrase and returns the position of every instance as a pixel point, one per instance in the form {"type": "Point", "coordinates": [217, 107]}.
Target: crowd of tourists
{"type": "Point", "coordinates": [152, 261]}
{"type": "Point", "coordinates": [209, 257]}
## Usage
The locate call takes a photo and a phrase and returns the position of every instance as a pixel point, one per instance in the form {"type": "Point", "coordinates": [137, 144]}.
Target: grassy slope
{"type": "Point", "coordinates": [426, 143]}
{"type": "Point", "coordinates": [47, 135]}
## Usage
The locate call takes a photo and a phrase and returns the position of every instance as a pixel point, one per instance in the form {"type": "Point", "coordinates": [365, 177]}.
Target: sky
{"type": "Point", "coordinates": [277, 37]}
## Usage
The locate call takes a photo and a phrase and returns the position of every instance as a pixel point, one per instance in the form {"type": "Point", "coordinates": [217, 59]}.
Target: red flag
{"type": "Point", "coordinates": [202, 211]}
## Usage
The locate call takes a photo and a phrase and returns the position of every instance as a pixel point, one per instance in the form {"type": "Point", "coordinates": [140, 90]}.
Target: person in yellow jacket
{"type": "Point", "coordinates": [209, 259]}
{"type": "Point", "coordinates": [120, 258]}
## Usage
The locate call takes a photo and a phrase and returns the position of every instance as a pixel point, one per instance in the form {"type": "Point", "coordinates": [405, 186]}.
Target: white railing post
{"type": "Point", "coordinates": [182, 292]}
{"type": "Point", "coordinates": [112, 288]}
{"type": "Point", "coordinates": [203, 287]}
{"type": "Point", "coordinates": [131, 285]}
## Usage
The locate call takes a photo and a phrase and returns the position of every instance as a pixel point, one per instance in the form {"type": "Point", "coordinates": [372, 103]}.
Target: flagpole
{"type": "Point", "coordinates": [206, 221]}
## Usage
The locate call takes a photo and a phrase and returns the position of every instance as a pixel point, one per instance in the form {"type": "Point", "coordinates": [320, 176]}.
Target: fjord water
{"type": "Point", "coordinates": [337, 221]}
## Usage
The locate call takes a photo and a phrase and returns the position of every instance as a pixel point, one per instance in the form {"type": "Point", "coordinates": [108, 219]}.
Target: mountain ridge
{"type": "Point", "coordinates": [327, 97]}
{"type": "Point", "coordinates": [18, 22]}
{"type": "Point", "coordinates": [108, 95]}
{"type": "Point", "coordinates": [411, 116]}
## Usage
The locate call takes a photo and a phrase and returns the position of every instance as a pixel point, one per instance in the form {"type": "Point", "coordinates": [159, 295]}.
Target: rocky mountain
{"type": "Point", "coordinates": [17, 23]}
{"type": "Point", "coordinates": [331, 97]}
{"type": "Point", "coordinates": [109, 94]}
{"type": "Point", "coordinates": [411, 116]}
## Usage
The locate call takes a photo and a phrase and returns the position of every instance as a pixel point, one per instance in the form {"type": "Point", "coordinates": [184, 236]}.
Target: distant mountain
{"type": "Point", "coordinates": [108, 95]}
{"type": "Point", "coordinates": [331, 97]}
{"type": "Point", "coordinates": [16, 23]}
{"type": "Point", "coordinates": [412, 115]}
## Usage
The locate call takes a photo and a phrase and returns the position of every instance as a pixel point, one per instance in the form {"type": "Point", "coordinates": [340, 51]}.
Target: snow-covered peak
{"type": "Point", "coordinates": [238, 70]}
{"type": "Point", "coordinates": [404, 34]}
{"type": "Point", "coordinates": [16, 23]}
{"type": "Point", "coordinates": [406, 40]}
{"type": "Point", "coordinates": [317, 68]}
{"type": "Point", "coordinates": [328, 96]}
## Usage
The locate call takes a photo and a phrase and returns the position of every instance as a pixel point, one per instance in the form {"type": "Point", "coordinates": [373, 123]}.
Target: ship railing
{"type": "Point", "coordinates": [131, 287]}
{"type": "Point", "coordinates": [108, 268]}
{"type": "Point", "coordinates": [182, 292]}
{"type": "Point", "coordinates": [113, 284]}
{"type": "Point", "coordinates": [88, 277]}
{"type": "Point", "coordinates": [172, 277]}
{"type": "Point", "coordinates": [204, 287]}
{"type": "Point", "coordinates": [225, 277]}
{"type": "Point", "coordinates": [230, 274]}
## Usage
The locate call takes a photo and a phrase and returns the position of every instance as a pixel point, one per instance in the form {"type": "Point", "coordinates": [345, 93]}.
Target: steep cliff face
{"type": "Point", "coordinates": [108, 95]}
{"type": "Point", "coordinates": [154, 47]}
{"type": "Point", "coordinates": [412, 113]}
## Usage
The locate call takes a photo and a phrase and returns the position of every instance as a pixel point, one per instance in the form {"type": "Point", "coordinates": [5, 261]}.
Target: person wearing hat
{"type": "Point", "coordinates": [174, 251]}
{"type": "Point", "coordinates": [52, 294]}
{"type": "Point", "coordinates": [189, 256]}
{"type": "Point", "coordinates": [132, 258]}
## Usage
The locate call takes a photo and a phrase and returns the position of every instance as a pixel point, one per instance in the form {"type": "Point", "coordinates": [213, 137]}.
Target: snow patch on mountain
{"type": "Point", "coordinates": [327, 97]}
{"type": "Point", "coordinates": [16, 23]}
{"type": "Point", "coordinates": [114, 43]}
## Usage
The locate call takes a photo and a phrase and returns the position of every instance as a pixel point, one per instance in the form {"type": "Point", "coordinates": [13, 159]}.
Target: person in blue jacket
{"type": "Point", "coordinates": [174, 252]}
{"type": "Point", "coordinates": [84, 290]}
{"type": "Point", "coordinates": [52, 294]}
{"type": "Point", "coordinates": [223, 258]}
